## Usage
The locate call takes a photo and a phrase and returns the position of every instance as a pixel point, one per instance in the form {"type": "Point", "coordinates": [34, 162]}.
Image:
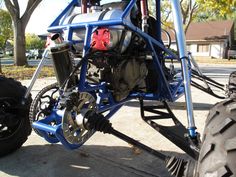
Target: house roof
{"type": "Point", "coordinates": [213, 30]}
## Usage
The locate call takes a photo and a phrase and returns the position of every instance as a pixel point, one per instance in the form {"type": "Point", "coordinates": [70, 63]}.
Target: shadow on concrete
{"type": "Point", "coordinates": [88, 161]}
{"type": "Point", "coordinates": [174, 105]}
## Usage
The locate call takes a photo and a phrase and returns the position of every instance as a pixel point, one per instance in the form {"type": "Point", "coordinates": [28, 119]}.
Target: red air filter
{"type": "Point", "coordinates": [101, 39]}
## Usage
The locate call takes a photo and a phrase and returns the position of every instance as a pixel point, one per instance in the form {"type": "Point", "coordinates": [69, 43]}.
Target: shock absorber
{"type": "Point", "coordinates": [144, 11]}
{"type": "Point", "coordinates": [62, 62]}
{"type": "Point", "coordinates": [83, 6]}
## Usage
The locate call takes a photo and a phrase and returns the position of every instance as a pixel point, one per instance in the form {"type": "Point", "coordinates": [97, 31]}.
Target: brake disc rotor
{"type": "Point", "coordinates": [73, 131]}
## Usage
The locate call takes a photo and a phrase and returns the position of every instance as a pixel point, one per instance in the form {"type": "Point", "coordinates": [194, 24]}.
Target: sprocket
{"type": "Point", "coordinates": [43, 104]}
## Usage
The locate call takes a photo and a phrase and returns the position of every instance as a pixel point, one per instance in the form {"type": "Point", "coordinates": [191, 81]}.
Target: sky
{"type": "Point", "coordinates": [43, 15]}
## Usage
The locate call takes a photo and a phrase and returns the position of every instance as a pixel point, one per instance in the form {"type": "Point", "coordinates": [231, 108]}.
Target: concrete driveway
{"type": "Point", "coordinates": [105, 155]}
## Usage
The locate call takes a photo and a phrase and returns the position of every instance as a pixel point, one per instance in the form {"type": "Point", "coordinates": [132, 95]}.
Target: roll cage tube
{"type": "Point", "coordinates": [178, 23]}
{"type": "Point", "coordinates": [170, 94]}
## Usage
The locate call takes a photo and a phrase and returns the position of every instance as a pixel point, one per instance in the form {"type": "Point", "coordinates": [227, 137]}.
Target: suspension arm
{"type": "Point", "coordinates": [207, 82]}
{"type": "Point", "coordinates": [195, 73]}
{"type": "Point", "coordinates": [176, 166]}
{"type": "Point", "coordinates": [206, 90]}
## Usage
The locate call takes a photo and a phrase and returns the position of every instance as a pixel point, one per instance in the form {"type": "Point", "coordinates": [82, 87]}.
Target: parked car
{"type": "Point", "coordinates": [231, 54]}
{"type": "Point", "coordinates": [1, 54]}
{"type": "Point", "coordinates": [34, 54]}
{"type": "Point", "coordinates": [29, 55]}
{"type": "Point", "coordinates": [40, 54]}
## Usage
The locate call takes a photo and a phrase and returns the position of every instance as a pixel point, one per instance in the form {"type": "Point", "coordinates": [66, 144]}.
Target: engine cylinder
{"type": "Point", "coordinates": [62, 63]}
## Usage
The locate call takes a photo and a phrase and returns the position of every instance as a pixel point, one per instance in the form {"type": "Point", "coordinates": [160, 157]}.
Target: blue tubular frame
{"type": "Point", "coordinates": [166, 91]}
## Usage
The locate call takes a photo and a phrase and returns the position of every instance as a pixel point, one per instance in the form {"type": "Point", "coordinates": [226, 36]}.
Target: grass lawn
{"type": "Point", "coordinates": [214, 61]}
{"type": "Point", "coordinates": [26, 72]}
{"type": "Point", "coordinates": [23, 72]}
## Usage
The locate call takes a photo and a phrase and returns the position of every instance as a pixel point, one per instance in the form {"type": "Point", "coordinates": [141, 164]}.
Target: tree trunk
{"type": "Point", "coordinates": [19, 44]}
{"type": "Point", "coordinates": [20, 22]}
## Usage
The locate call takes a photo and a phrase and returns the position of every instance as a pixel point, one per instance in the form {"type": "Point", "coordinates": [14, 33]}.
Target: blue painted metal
{"type": "Point", "coordinates": [68, 8]}
{"type": "Point", "coordinates": [149, 38]}
{"type": "Point", "coordinates": [44, 127]}
{"type": "Point", "coordinates": [164, 90]}
{"type": "Point", "coordinates": [55, 29]}
{"type": "Point", "coordinates": [61, 138]}
{"type": "Point", "coordinates": [192, 132]}
{"type": "Point", "coordinates": [128, 9]}
{"type": "Point", "coordinates": [54, 134]}
{"type": "Point", "coordinates": [169, 91]}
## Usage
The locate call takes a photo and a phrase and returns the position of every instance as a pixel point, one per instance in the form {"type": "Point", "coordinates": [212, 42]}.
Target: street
{"type": "Point", "coordinates": [32, 62]}
{"type": "Point", "coordinates": [105, 155]}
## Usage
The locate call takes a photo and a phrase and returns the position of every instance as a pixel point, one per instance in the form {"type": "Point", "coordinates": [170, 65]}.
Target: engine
{"type": "Point", "coordinates": [115, 51]}
{"type": "Point", "coordinates": [125, 77]}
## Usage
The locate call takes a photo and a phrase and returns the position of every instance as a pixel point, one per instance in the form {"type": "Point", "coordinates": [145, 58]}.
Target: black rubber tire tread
{"type": "Point", "coordinates": [232, 85]}
{"type": "Point", "coordinates": [217, 156]}
{"type": "Point", "coordinates": [34, 104]}
{"type": "Point", "coordinates": [13, 89]}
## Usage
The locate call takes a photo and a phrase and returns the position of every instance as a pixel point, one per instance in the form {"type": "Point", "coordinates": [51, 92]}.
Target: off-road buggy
{"type": "Point", "coordinates": [105, 55]}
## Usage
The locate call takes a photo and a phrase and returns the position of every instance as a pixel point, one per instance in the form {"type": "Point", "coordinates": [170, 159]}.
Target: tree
{"type": "Point", "coordinates": [6, 31]}
{"type": "Point", "coordinates": [34, 42]}
{"type": "Point", "coordinates": [20, 22]}
{"type": "Point", "coordinates": [188, 9]}
{"type": "Point", "coordinates": [220, 8]}
{"type": "Point", "coordinates": [200, 10]}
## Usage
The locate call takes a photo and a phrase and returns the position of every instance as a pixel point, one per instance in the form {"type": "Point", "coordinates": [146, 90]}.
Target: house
{"type": "Point", "coordinates": [209, 39]}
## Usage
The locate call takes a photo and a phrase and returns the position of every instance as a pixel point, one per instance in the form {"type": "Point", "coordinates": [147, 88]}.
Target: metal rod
{"type": "Point", "coordinates": [150, 38]}
{"type": "Point", "coordinates": [83, 6]}
{"type": "Point", "coordinates": [178, 23]}
{"type": "Point", "coordinates": [207, 78]}
{"type": "Point", "coordinates": [208, 82]}
{"type": "Point", "coordinates": [85, 60]}
{"type": "Point", "coordinates": [128, 9]}
{"type": "Point", "coordinates": [67, 14]}
{"type": "Point", "coordinates": [36, 73]}
{"type": "Point", "coordinates": [164, 86]}
{"type": "Point", "coordinates": [44, 127]}
{"type": "Point", "coordinates": [138, 144]}
{"type": "Point", "coordinates": [62, 14]}
{"type": "Point", "coordinates": [194, 63]}
{"type": "Point", "coordinates": [144, 11]}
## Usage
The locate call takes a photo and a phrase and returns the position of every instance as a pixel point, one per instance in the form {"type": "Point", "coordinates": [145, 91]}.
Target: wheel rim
{"type": "Point", "coordinates": [8, 118]}
{"type": "Point", "coordinates": [43, 105]}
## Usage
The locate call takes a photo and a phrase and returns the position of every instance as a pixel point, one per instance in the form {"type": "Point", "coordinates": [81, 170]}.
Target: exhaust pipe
{"type": "Point", "coordinates": [61, 60]}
